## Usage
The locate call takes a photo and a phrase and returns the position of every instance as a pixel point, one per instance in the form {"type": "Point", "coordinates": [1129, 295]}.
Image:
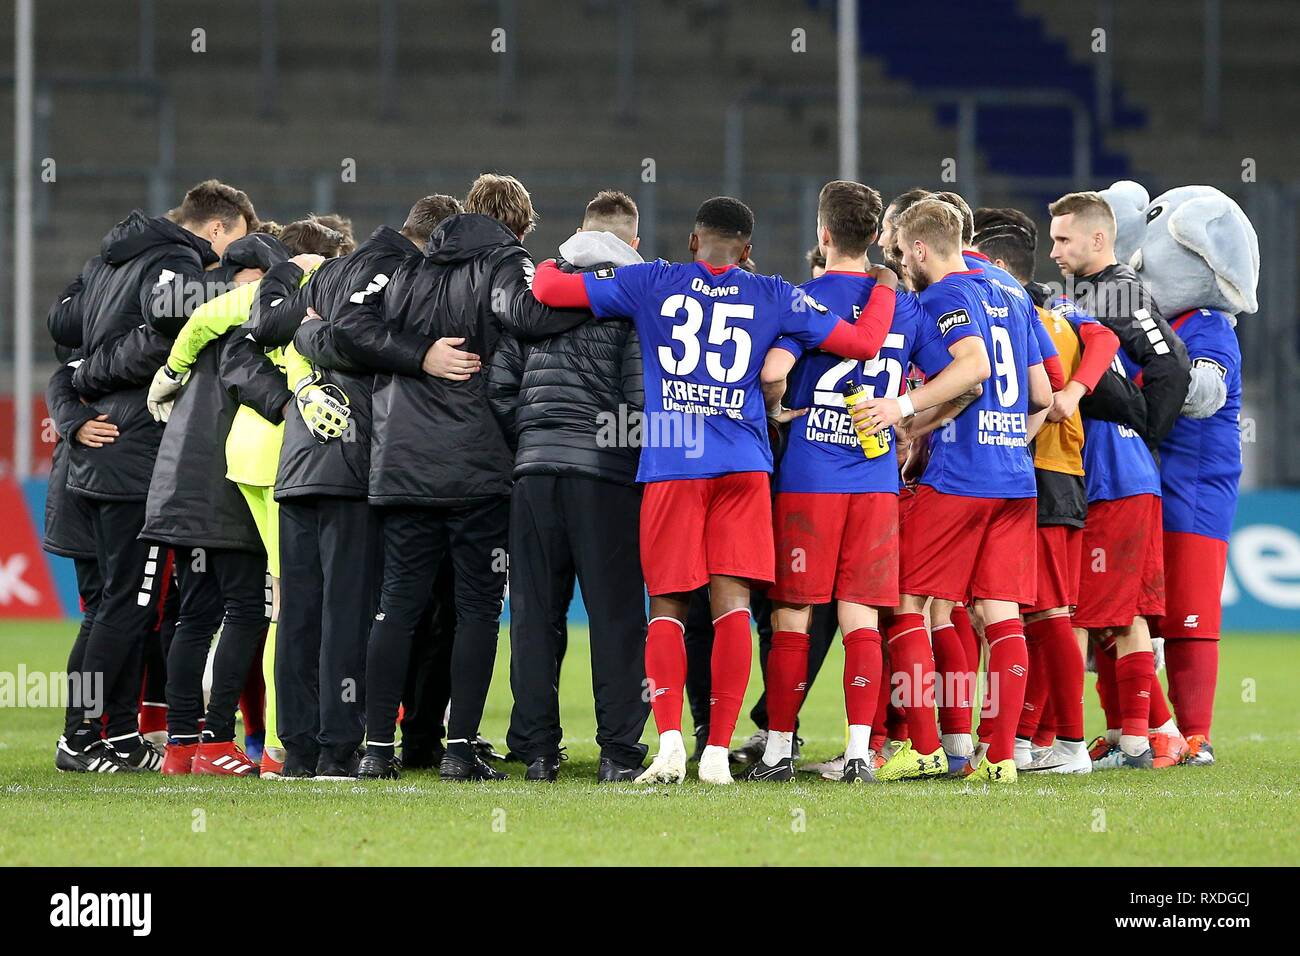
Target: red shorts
{"type": "Point", "coordinates": [1194, 568]}
{"type": "Point", "coordinates": [694, 527]}
{"type": "Point", "coordinates": [955, 547]}
{"type": "Point", "coordinates": [841, 546]}
{"type": "Point", "coordinates": [1059, 548]}
{"type": "Point", "coordinates": [1122, 572]}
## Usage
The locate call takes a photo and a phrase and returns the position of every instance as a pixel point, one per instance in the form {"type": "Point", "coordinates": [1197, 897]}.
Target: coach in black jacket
{"type": "Point", "coordinates": [440, 464]}
{"type": "Point", "coordinates": [569, 401]}
{"type": "Point", "coordinates": [329, 535]}
{"type": "Point", "coordinates": [150, 272]}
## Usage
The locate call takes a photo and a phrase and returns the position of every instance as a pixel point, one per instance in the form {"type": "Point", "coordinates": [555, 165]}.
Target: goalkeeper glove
{"type": "Point", "coordinates": [162, 392]}
{"type": "Point", "coordinates": [323, 407]}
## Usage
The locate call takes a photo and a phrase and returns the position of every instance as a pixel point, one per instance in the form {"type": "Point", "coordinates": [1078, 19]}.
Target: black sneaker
{"type": "Point", "coordinates": [331, 767]}
{"type": "Point", "coordinates": [783, 772]}
{"type": "Point", "coordinates": [484, 750]}
{"type": "Point", "coordinates": [858, 770]}
{"type": "Point", "coordinates": [546, 768]}
{"type": "Point", "coordinates": [462, 770]}
{"type": "Point", "coordinates": [422, 756]}
{"type": "Point", "coordinates": [751, 751]}
{"type": "Point", "coordinates": [378, 765]}
{"type": "Point", "coordinates": [701, 741]}
{"type": "Point", "coordinates": [138, 754]}
{"type": "Point", "coordinates": [97, 758]}
{"type": "Point", "coordinates": [613, 772]}
{"type": "Point", "coordinates": [298, 766]}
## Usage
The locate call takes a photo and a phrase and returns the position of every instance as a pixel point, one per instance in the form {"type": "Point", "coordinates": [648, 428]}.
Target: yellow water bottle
{"type": "Point", "coordinates": [873, 446]}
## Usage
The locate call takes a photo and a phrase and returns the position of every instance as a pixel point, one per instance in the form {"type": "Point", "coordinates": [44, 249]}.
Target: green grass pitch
{"type": "Point", "coordinates": [1244, 811]}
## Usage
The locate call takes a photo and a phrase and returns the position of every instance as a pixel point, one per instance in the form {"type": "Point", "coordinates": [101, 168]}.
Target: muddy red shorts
{"type": "Point", "coordinates": [956, 547]}
{"type": "Point", "coordinates": [1194, 568]}
{"type": "Point", "coordinates": [1122, 568]}
{"type": "Point", "coordinates": [694, 527]}
{"type": "Point", "coordinates": [1059, 548]}
{"type": "Point", "coordinates": [841, 546]}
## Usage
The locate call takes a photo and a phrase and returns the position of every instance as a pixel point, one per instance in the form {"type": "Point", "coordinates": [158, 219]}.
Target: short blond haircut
{"type": "Point", "coordinates": [933, 221]}
{"type": "Point", "coordinates": [505, 199]}
{"type": "Point", "coordinates": [1090, 206]}
{"type": "Point", "coordinates": [967, 217]}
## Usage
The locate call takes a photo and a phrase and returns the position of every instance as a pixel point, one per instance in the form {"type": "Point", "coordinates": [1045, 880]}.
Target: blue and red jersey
{"type": "Point", "coordinates": [984, 452]}
{"type": "Point", "coordinates": [824, 454]}
{"type": "Point", "coordinates": [1200, 460]}
{"type": "Point", "coordinates": [1005, 281]}
{"type": "Point", "coordinates": [704, 334]}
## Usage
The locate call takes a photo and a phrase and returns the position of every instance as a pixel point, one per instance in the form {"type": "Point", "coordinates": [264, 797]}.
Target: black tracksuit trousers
{"type": "Point", "coordinates": [224, 590]}
{"type": "Point", "coordinates": [131, 571]}
{"type": "Point", "coordinates": [329, 575]}
{"type": "Point", "coordinates": [416, 541]}
{"type": "Point", "coordinates": [562, 527]}
{"type": "Point", "coordinates": [428, 676]}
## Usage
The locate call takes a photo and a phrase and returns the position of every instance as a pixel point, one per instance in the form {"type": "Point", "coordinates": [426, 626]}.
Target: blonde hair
{"type": "Point", "coordinates": [933, 221]}
{"type": "Point", "coordinates": [505, 199]}
{"type": "Point", "coordinates": [1090, 206]}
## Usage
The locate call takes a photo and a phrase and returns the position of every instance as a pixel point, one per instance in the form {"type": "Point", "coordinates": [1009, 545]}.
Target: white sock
{"type": "Point", "coordinates": [779, 746]}
{"type": "Point", "coordinates": [1168, 727]}
{"type": "Point", "coordinates": [859, 745]}
{"type": "Point", "coordinates": [1133, 745]}
{"type": "Point", "coordinates": [1112, 735]}
{"type": "Point", "coordinates": [1069, 748]}
{"type": "Point", "coordinates": [712, 754]}
{"type": "Point", "coordinates": [959, 745]}
{"type": "Point", "coordinates": [671, 740]}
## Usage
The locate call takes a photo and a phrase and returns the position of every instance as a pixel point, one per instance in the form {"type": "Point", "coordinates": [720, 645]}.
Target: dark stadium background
{"type": "Point", "coordinates": [669, 100]}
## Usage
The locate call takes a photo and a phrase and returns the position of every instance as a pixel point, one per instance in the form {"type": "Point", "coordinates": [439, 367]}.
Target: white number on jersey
{"type": "Point", "coordinates": [720, 333]}
{"type": "Point", "coordinates": [827, 391]}
{"type": "Point", "coordinates": [1004, 367]}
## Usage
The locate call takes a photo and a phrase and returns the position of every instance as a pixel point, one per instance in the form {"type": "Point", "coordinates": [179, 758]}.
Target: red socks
{"type": "Point", "coordinates": [787, 679]}
{"type": "Point", "coordinates": [954, 680]}
{"type": "Point", "coordinates": [1192, 666]}
{"type": "Point", "coordinates": [862, 670]}
{"type": "Point", "coordinates": [1107, 691]}
{"type": "Point", "coordinates": [733, 650]}
{"type": "Point", "coordinates": [1133, 676]}
{"type": "Point", "coordinates": [913, 670]}
{"type": "Point", "coordinates": [1064, 663]}
{"type": "Point", "coordinates": [969, 639]}
{"type": "Point", "coordinates": [1039, 683]}
{"type": "Point", "coordinates": [665, 671]}
{"type": "Point", "coordinates": [1159, 712]}
{"type": "Point", "coordinates": [1008, 671]}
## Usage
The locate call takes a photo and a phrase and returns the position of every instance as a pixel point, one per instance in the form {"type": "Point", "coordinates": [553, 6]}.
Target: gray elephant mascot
{"type": "Point", "coordinates": [1198, 255]}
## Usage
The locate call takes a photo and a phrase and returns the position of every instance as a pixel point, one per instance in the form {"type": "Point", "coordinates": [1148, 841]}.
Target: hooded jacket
{"type": "Point", "coordinates": [1116, 297]}
{"type": "Point", "coordinates": [436, 442]}
{"type": "Point", "coordinates": [559, 398]}
{"type": "Point", "coordinates": [340, 467]}
{"type": "Point", "coordinates": [191, 503]}
{"type": "Point", "coordinates": [125, 290]}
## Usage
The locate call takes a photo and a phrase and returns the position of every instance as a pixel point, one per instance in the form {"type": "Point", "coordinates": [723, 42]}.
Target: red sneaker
{"type": "Point", "coordinates": [271, 768]}
{"type": "Point", "coordinates": [1099, 747]}
{"type": "Point", "coordinates": [224, 759]}
{"type": "Point", "coordinates": [178, 759]}
{"type": "Point", "coordinates": [1199, 751]}
{"type": "Point", "coordinates": [1168, 750]}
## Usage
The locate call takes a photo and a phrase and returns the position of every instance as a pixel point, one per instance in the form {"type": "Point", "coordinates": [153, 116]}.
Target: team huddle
{"type": "Point", "coordinates": [330, 458]}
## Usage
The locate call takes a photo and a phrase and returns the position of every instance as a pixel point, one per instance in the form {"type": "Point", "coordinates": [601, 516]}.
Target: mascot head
{"type": "Point", "coordinates": [1192, 247]}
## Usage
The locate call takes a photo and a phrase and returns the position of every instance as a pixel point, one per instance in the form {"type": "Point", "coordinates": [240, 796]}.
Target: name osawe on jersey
{"type": "Point", "coordinates": [704, 334]}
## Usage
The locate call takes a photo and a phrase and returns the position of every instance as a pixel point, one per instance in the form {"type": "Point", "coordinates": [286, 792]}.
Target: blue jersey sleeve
{"type": "Point", "coordinates": [1033, 347]}
{"type": "Point", "coordinates": [802, 318]}
{"type": "Point", "coordinates": [790, 345]}
{"type": "Point", "coordinates": [615, 293]}
{"type": "Point", "coordinates": [1212, 343]}
{"type": "Point", "coordinates": [947, 308]}
{"type": "Point", "coordinates": [929, 353]}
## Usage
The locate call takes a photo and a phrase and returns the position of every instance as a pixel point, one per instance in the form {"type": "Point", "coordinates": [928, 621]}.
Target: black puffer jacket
{"type": "Point", "coordinates": [561, 400]}
{"type": "Point", "coordinates": [191, 502]}
{"type": "Point", "coordinates": [435, 441]}
{"type": "Point", "coordinates": [1116, 297]}
{"type": "Point", "coordinates": [338, 468]}
{"type": "Point", "coordinates": [124, 290]}
{"type": "Point", "coordinates": [68, 529]}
